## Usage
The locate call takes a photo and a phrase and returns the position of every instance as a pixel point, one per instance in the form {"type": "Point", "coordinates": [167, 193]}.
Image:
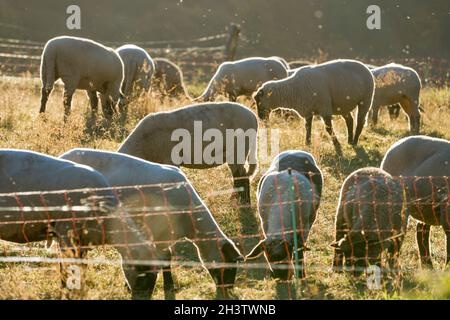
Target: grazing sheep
{"type": "Point", "coordinates": [242, 77]}
{"type": "Point", "coordinates": [371, 217]}
{"type": "Point", "coordinates": [394, 110]}
{"type": "Point", "coordinates": [424, 166]}
{"type": "Point", "coordinates": [138, 72]}
{"type": "Point", "coordinates": [397, 84]}
{"type": "Point", "coordinates": [31, 180]}
{"type": "Point", "coordinates": [82, 64]}
{"type": "Point", "coordinates": [168, 79]}
{"type": "Point", "coordinates": [157, 138]}
{"type": "Point", "coordinates": [293, 184]}
{"type": "Point", "coordinates": [332, 88]}
{"type": "Point", "coordinates": [299, 63]}
{"type": "Point", "coordinates": [176, 212]}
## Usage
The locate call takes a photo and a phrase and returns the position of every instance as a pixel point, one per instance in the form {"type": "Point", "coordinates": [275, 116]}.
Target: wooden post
{"type": "Point", "coordinates": [231, 46]}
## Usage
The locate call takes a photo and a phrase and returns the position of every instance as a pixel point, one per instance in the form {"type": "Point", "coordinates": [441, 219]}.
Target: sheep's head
{"type": "Point", "coordinates": [224, 277]}
{"type": "Point", "coordinates": [263, 99]}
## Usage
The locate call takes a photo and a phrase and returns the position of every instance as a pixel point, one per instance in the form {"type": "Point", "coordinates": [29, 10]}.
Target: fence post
{"type": "Point", "coordinates": [231, 46]}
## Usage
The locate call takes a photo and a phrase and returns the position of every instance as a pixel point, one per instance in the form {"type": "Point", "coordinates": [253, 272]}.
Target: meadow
{"type": "Point", "coordinates": [22, 127]}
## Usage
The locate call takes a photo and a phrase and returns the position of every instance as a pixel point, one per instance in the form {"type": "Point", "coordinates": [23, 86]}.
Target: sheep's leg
{"type": "Point", "coordinates": [349, 122]}
{"type": "Point", "coordinates": [308, 127]}
{"type": "Point", "coordinates": [363, 108]}
{"type": "Point", "coordinates": [423, 242]}
{"type": "Point", "coordinates": [375, 110]}
{"type": "Point", "coordinates": [412, 111]}
{"type": "Point", "coordinates": [45, 92]}
{"type": "Point", "coordinates": [107, 107]}
{"type": "Point", "coordinates": [169, 285]}
{"type": "Point", "coordinates": [68, 93]}
{"type": "Point", "coordinates": [329, 128]}
{"type": "Point", "coordinates": [93, 100]}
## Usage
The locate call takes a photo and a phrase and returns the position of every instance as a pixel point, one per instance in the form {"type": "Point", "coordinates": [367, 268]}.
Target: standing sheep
{"type": "Point", "coordinates": [243, 77]}
{"type": "Point", "coordinates": [138, 72]}
{"type": "Point", "coordinates": [176, 213]}
{"type": "Point", "coordinates": [332, 88]}
{"type": "Point", "coordinates": [82, 64]}
{"type": "Point", "coordinates": [42, 186]}
{"type": "Point", "coordinates": [291, 186]}
{"type": "Point", "coordinates": [371, 217]}
{"type": "Point", "coordinates": [168, 79]}
{"type": "Point", "coordinates": [162, 137]}
{"type": "Point", "coordinates": [396, 83]}
{"type": "Point", "coordinates": [424, 166]}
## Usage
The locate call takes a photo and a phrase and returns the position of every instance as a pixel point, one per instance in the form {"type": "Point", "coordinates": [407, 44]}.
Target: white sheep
{"type": "Point", "coordinates": [243, 77]}
{"type": "Point", "coordinates": [81, 64]}
{"type": "Point", "coordinates": [168, 79]}
{"type": "Point", "coordinates": [397, 84]}
{"type": "Point", "coordinates": [175, 211]}
{"type": "Point", "coordinates": [58, 199]}
{"type": "Point", "coordinates": [371, 218]}
{"type": "Point", "coordinates": [291, 186]}
{"type": "Point", "coordinates": [138, 72]}
{"type": "Point", "coordinates": [332, 88]}
{"type": "Point", "coordinates": [157, 138]}
{"type": "Point", "coordinates": [423, 164]}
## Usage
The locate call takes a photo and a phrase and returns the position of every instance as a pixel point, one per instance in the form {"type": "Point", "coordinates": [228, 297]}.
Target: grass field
{"type": "Point", "coordinates": [22, 127]}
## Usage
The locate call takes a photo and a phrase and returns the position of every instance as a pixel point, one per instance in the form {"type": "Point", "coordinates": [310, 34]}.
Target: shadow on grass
{"type": "Point", "coordinates": [100, 127]}
{"type": "Point", "coordinates": [349, 162]}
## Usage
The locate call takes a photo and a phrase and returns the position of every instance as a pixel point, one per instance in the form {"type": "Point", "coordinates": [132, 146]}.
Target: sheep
{"type": "Point", "coordinates": [371, 217]}
{"type": "Point", "coordinates": [332, 88]}
{"type": "Point", "coordinates": [82, 64]}
{"type": "Point", "coordinates": [242, 77]}
{"type": "Point", "coordinates": [424, 166]}
{"type": "Point", "coordinates": [177, 212]}
{"type": "Point", "coordinates": [168, 79]}
{"type": "Point", "coordinates": [31, 180]}
{"type": "Point", "coordinates": [397, 84]}
{"type": "Point", "coordinates": [394, 110]}
{"type": "Point", "coordinates": [138, 72]}
{"type": "Point", "coordinates": [157, 138]}
{"type": "Point", "coordinates": [293, 182]}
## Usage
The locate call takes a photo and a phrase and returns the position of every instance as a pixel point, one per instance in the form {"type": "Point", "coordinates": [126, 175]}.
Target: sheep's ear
{"type": "Point", "coordinates": [258, 95]}
{"type": "Point", "coordinates": [257, 250]}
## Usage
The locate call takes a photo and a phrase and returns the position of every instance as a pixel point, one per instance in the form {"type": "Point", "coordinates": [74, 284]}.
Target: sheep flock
{"type": "Point", "coordinates": [213, 186]}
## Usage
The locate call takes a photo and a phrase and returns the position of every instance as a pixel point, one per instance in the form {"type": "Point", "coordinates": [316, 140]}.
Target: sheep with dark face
{"type": "Point", "coordinates": [138, 72]}
{"type": "Point", "coordinates": [58, 199]}
{"type": "Point", "coordinates": [397, 84]}
{"type": "Point", "coordinates": [168, 79]}
{"type": "Point", "coordinates": [289, 191]}
{"type": "Point", "coordinates": [332, 88]}
{"type": "Point", "coordinates": [82, 64]}
{"type": "Point", "coordinates": [424, 166]}
{"type": "Point", "coordinates": [177, 212]}
{"type": "Point", "coordinates": [243, 77]}
{"type": "Point", "coordinates": [371, 217]}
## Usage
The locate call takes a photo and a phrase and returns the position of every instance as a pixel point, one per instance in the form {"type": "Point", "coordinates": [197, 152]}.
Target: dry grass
{"type": "Point", "coordinates": [22, 127]}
